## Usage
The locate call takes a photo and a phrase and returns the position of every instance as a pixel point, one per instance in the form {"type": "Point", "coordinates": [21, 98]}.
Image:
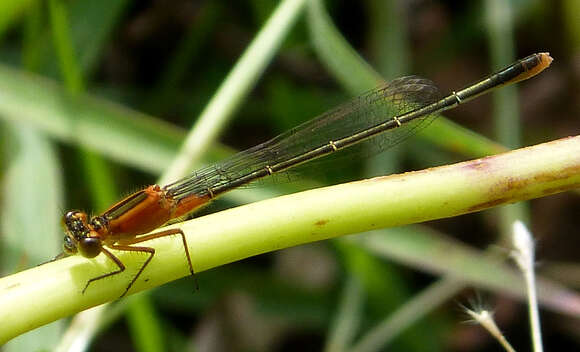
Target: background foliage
{"type": "Point", "coordinates": [97, 96]}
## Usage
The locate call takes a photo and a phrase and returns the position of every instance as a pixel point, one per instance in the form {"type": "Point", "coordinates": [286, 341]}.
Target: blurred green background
{"type": "Point", "coordinates": [97, 97]}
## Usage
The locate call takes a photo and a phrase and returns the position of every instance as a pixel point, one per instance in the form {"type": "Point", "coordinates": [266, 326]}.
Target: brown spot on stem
{"type": "Point", "coordinates": [321, 222]}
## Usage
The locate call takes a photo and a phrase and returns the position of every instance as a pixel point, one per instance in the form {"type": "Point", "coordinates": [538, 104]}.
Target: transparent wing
{"type": "Point", "coordinates": [367, 110]}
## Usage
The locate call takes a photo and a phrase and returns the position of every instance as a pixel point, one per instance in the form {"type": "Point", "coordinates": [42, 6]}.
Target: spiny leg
{"type": "Point", "coordinates": [120, 264]}
{"type": "Point", "coordinates": [163, 234]}
{"type": "Point", "coordinates": [128, 244]}
{"type": "Point", "coordinates": [129, 248]}
{"type": "Point", "coordinates": [115, 260]}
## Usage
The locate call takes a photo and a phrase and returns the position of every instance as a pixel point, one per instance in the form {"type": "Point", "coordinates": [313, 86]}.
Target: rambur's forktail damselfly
{"type": "Point", "coordinates": [383, 116]}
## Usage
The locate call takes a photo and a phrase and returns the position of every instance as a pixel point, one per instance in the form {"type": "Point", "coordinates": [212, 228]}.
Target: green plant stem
{"type": "Point", "coordinates": [49, 292]}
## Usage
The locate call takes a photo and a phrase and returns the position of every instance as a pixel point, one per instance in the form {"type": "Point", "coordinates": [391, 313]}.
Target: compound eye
{"type": "Point", "coordinates": [69, 246]}
{"type": "Point", "coordinates": [90, 247]}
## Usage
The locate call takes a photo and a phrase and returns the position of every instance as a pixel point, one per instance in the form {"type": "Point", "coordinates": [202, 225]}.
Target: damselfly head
{"type": "Point", "coordinates": [78, 235]}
